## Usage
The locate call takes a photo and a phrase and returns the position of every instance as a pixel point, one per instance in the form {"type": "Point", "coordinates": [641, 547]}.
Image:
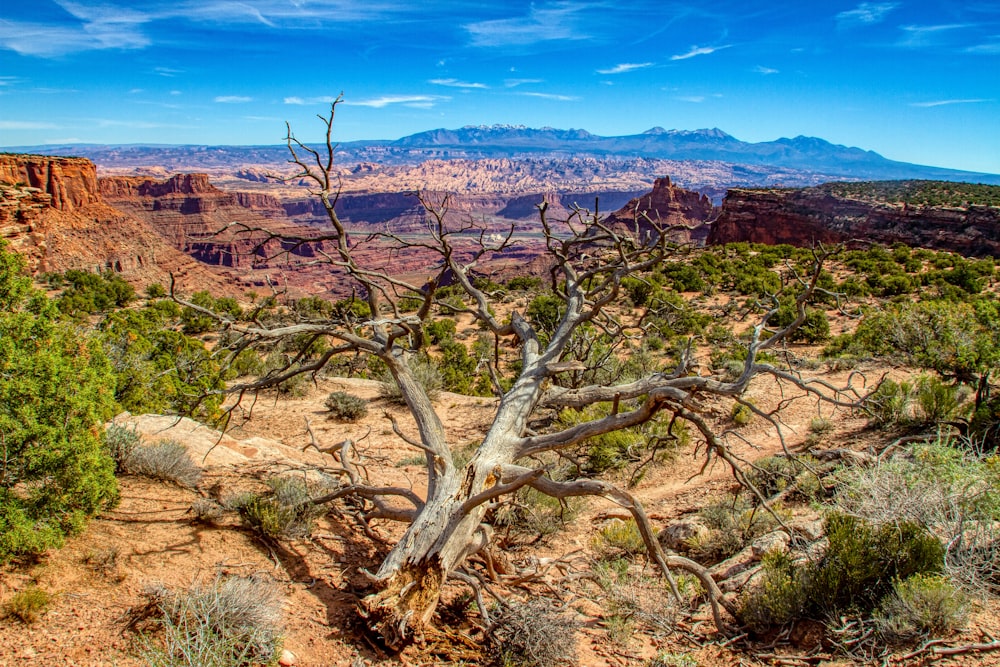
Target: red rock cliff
{"type": "Point", "coordinates": [802, 217]}
{"type": "Point", "coordinates": [70, 182]}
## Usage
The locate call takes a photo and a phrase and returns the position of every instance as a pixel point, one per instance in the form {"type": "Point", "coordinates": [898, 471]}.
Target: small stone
{"type": "Point", "coordinates": [680, 533]}
{"type": "Point", "coordinates": [776, 541]}
{"type": "Point", "coordinates": [287, 658]}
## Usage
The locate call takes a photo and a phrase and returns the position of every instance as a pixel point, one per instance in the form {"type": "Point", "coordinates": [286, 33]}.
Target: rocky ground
{"type": "Point", "coordinates": [154, 538]}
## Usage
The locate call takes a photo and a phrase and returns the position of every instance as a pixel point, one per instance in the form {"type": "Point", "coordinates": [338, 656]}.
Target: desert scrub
{"type": "Point", "coordinates": [120, 441]}
{"type": "Point", "coordinates": [29, 604]}
{"type": "Point", "coordinates": [286, 511]}
{"type": "Point", "coordinates": [636, 599]}
{"type": "Point", "coordinates": [778, 596]}
{"type": "Point", "coordinates": [921, 606]}
{"type": "Point", "coordinates": [234, 622]}
{"type": "Point", "coordinates": [531, 634]}
{"type": "Point", "coordinates": [619, 537]}
{"type": "Point", "coordinates": [889, 405]}
{"type": "Point", "coordinates": [166, 460]}
{"type": "Point", "coordinates": [741, 414]}
{"type": "Point", "coordinates": [947, 487]}
{"type": "Point", "coordinates": [346, 407]}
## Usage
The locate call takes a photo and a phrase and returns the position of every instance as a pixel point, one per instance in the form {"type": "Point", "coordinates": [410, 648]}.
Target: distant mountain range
{"type": "Point", "coordinates": [806, 154]}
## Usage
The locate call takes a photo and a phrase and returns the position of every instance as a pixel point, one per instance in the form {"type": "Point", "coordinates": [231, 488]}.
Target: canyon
{"type": "Point", "coordinates": [60, 214]}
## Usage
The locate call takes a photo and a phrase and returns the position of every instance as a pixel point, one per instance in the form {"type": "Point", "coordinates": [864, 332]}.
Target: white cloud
{"type": "Point", "coordinates": [867, 13]}
{"type": "Point", "coordinates": [916, 36]}
{"type": "Point", "coordinates": [941, 103]}
{"type": "Point", "coordinates": [624, 67]}
{"type": "Point", "coordinates": [699, 51]}
{"type": "Point", "coordinates": [233, 99]}
{"type": "Point", "coordinates": [514, 83]}
{"type": "Point", "coordinates": [989, 49]}
{"type": "Point", "coordinates": [418, 101]}
{"type": "Point", "coordinates": [324, 99]}
{"type": "Point", "coordinates": [49, 41]}
{"type": "Point", "coordinates": [558, 22]}
{"type": "Point", "coordinates": [455, 83]}
{"type": "Point", "coordinates": [760, 69]}
{"type": "Point", "coordinates": [694, 99]}
{"type": "Point", "coordinates": [551, 96]}
{"type": "Point", "coordinates": [26, 125]}
{"type": "Point", "coordinates": [167, 71]}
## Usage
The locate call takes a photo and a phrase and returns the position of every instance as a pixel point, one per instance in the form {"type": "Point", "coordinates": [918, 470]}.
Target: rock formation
{"type": "Point", "coordinates": [664, 207]}
{"type": "Point", "coordinates": [71, 183]}
{"type": "Point", "coordinates": [805, 216]}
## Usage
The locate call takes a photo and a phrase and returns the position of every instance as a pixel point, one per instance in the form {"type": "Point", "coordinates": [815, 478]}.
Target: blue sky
{"type": "Point", "coordinates": [915, 81]}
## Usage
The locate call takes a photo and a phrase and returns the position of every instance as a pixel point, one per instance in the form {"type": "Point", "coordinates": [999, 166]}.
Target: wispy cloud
{"type": "Point", "coordinates": [694, 99]}
{"type": "Point", "coordinates": [699, 51]}
{"type": "Point", "coordinates": [323, 99]}
{"type": "Point", "coordinates": [120, 25]}
{"type": "Point", "coordinates": [514, 83]}
{"type": "Point", "coordinates": [26, 125]}
{"type": "Point", "coordinates": [551, 96]}
{"type": "Point", "coordinates": [941, 103]}
{"type": "Point", "coordinates": [867, 13]}
{"type": "Point", "coordinates": [917, 36]}
{"type": "Point", "coordinates": [558, 22]}
{"type": "Point", "coordinates": [49, 41]}
{"type": "Point", "coordinates": [988, 49]}
{"type": "Point", "coordinates": [760, 69]}
{"type": "Point", "coordinates": [167, 71]}
{"type": "Point", "coordinates": [455, 83]}
{"type": "Point", "coordinates": [624, 67]}
{"type": "Point", "coordinates": [233, 99]}
{"type": "Point", "coordinates": [418, 101]}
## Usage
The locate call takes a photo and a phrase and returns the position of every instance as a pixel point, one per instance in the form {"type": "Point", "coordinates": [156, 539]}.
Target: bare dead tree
{"type": "Point", "coordinates": [446, 526]}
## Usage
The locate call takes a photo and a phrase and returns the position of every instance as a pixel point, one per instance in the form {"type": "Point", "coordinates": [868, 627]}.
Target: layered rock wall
{"type": "Point", "coordinates": [71, 183]}
{"type": "Point", "coordinates": [810, 215]}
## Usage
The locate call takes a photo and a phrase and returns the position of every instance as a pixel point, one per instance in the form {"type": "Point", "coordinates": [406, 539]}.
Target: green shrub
{"type": "Point", "coordinates": [28, 604]}
{"type": "Point", "coordinates": [741, 414]}
{"type": "Point", "coordinates": [56, 392]}
{"type": "Point", "coordinates": [90, 293]}
{"type": "Point", "coordinates": [166, 460]}
{"type": "Point", "coordinates": [620, 537]}
{"type": "Point", "coordinates": [285, 512]}
{"type": "Point", "coordinates": [235, 622]}
{"type": "Point", "coordinates": [862, 561]}
{"type": "Point", "coordinates": [921, 606]}
{"type": "Point", "coordinates": [952, 490]}
{"type": "Point", "coordinates": [346, 407]}
{"type": "Point", "coordinates": [778, 596]}
{"type": "Point", "coordinates": [937, 400]}
{"type": "Point", "coordinates": [889, 405]}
